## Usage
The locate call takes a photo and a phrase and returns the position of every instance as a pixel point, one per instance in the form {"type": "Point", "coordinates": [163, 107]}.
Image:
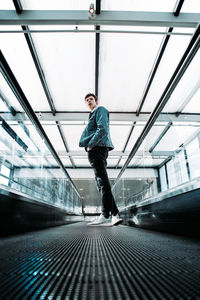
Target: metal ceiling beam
{"type": "Point", "coordinates": [18, 6]}
{"type": "Point", "coordinates": [177, 8]}
{"type": "Point", "coordinates": [154, 70]}
{"type": "Point", "coordinates": [129, 136]}
{"type": "Point", "coordinates": [19, 120]}
{"type": "Point", "coordinates": [186, 59]}
{"type": "Point", "coordinates": [97, 46]}
{"type": "Point", "coordinates": [98, 7]}
{"type": "Point", "coordinates": [39, 69]}
{"type": "Point", "coordinates": [161, 51]}
{"type": "Point", "coordinates": [117, 117]}
{"type": "Point", "coordinates": [79, 153]}
{"type": "Point", "coordinates": [80, 17]}
{"type": "Point", "coordinates": [18, 92]}
{"type": "Point", "coordinates": [160, 136]}
{"type": "Point", "coordinates": [65, 143]}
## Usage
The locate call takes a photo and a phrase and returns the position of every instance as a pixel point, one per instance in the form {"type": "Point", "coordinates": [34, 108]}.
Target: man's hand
{"type": "Point", "coordinates": [89, 148]}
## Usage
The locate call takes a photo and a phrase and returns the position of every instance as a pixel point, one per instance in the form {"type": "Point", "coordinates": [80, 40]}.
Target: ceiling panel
{"type": "Point", "coordinates": [52, 4]}
{"type": "Point", "coordinates": [134, 136]}
{"type": "Point", "coordinates": [68, 65]}
{"type": "Point", "coordinates": [125, 65]}
{"type": "Point", "coordinates": [119, 135]}
{"type": "Point", "coordinates": [191, 6]}
{"type": "Point", "coordinates": [185, 86]}
{"type": "Point", "coordinates": [151, 137]}
{"type": "Point", "coordinates": [66, 162]}
{"type": "Point", "coordinates": [194, 104]}
{"type": "Point", "coordinates": [23, 67]}
{"type": "Point", "coordinates": [81, 161]}
{"type": "Point", "coordinates": [112, 161]}
{"type": "Point", "coordinates": [175, 137]}
{"type": "Point", "coordinates": [166, 68]}
{"type": "Point", "coordinates": [72, 134]}
{"type": "Point", "coordinates": [142, 5]}
{"type": "Point", "coordinates": [54, 136]}
{"type": "Point", "coordinates": [5, 4]}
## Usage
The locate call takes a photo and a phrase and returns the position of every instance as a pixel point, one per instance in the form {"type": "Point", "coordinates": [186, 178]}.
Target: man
{"type": "Point", "coordinates": [97, 142]}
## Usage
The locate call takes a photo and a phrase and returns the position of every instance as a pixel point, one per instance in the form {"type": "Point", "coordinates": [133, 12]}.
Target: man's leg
{"type": "Point", "coordinates": [97, 158]}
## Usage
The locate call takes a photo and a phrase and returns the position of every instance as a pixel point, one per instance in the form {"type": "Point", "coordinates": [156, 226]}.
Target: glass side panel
{"type": "Point", "coordinates": [193, 156]}
{"type": "Point", "coordinates": [5, 171]}
{"type": "Point", "coordinates": [28, 166]}
{"type": "Point", "coordinates": [8, 96]}
{"type": "Point", "coordinates": [163, 179]}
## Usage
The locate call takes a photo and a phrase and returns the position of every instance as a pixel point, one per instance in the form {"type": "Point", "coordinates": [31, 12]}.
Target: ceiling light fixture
{"type": "Point", "coordinates": [92, 11]}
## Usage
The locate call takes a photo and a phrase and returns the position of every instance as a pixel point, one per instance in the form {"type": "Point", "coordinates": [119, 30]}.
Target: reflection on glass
{"type": "Point", "coordinates": [157, 173]}
{"type": "Point", "coordinates": [27, 166]}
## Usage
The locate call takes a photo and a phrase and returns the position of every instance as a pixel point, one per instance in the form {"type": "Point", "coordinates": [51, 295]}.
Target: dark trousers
{"type": "Point", "coordinates": [97, 158]}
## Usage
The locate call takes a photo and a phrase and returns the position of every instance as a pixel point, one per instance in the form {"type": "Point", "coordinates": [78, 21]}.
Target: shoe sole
{"type": "Point", "coordinates": [117, 222]}
{"type": "Point", "coordinates": [102, 225]}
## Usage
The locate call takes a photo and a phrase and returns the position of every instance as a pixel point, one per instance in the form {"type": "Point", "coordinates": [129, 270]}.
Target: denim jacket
{"type": "Point", "coordinates": [97, 132]}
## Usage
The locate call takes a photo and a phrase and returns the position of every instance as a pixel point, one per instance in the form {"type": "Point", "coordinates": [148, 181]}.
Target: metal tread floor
{"type": "Point", "coordinates": [79, 262]}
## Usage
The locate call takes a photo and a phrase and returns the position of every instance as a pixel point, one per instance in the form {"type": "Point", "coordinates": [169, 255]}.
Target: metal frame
{"type": "Point", "coordinates": [154, 70]}
{"type": "Point", "coordinates": [97, 47]}
{"type": "Point", "coordinates": [65, 143]}
{"type": "Point", "coordinates": [42, 77]}
{"type": "Point", "coordinates": [114, 116]}
{"type": "Point", "coordinates": [160, 136]}
{"type": "Point", "coordinates": [126, 143]}
{"type": "Point", "coordinates": [39, 68]}
{"type": "Point", "coordinates": [177, 8]}
{"type": "Point", "coordinates": [186, 59]}
{"type": "Point", "coordinates": [80, 17]}
{"type": "Point", "coordinates": [18, 6]}
{"type": "Point", "coordinates": [157, 154]}
{"type": "Point", "coordinates": [15, 87]}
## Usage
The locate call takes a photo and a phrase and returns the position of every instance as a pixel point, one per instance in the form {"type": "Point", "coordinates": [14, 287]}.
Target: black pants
{"type": "Point", "coordinates": [97, 158]}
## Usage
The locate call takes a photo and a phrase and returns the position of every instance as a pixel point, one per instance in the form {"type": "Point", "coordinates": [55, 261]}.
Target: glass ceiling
{"type": "Point", "coordinates": [119, 68]}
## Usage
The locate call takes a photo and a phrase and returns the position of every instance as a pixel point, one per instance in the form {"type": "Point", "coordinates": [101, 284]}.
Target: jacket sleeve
{"type": "Point", "coordinates": [102, 122]}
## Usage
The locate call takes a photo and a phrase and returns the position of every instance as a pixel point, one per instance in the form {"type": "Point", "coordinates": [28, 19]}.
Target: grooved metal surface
{"type": "Point", "coordinates": [79, 262]}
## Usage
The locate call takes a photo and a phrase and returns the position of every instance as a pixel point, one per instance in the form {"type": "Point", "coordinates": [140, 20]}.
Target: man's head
{"type": "Point", "coordinates": [91, 101]}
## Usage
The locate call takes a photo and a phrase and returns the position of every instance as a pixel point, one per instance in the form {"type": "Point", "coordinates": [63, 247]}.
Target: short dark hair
{"type": "Point", "coordinates": [93, 95]}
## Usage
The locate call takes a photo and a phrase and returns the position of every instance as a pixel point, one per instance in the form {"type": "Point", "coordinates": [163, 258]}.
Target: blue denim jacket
{"type": "Point", "coordinates": [97, 132]}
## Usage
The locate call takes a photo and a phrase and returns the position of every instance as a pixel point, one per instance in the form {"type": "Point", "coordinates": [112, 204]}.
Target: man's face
{"type": "Point", "coordinates": [90, 102]}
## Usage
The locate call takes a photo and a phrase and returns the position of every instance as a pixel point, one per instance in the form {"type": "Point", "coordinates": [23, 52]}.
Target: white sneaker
{"type": "Point", "coordinates": [116, 220]}
{"type": "Point", "coordinates": [101, 221]}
